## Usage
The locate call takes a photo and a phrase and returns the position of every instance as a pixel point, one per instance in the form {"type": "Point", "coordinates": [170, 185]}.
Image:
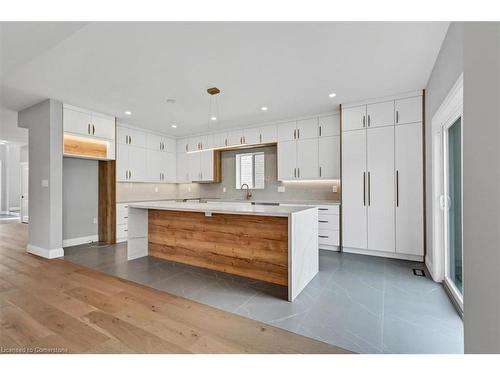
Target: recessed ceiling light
{"type": "Point", "coordinates": [332, 95]}
{"type": "Point", "coordinates": [213, 118]}
{"type": "Point", "coordinates": [264, 108]}
{"type": "Point", "coordinates": [173, 126]}
{"type": "Point", "coordinates": [128, 113]}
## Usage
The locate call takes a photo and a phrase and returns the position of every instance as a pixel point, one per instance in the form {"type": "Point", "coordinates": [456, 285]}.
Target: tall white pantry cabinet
{"type": "Point", "coordinates": [382, 177]}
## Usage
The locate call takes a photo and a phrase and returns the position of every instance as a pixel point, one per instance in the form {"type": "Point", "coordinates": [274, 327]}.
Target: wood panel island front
{"type": "Point", "coordinates": [276, 244]}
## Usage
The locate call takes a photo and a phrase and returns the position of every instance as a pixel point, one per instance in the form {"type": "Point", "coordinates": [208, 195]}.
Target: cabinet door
{"type": "Point", "coordinates": [103, 127]}
{"type": "Point", "coordinates": [76, 122]}
{"type": "Point", "coordinates": [182, 167]}
{"type": "Point", "coordinates": [194, 166]}
{"type": "Point", "coordinates": [380, 114]}
{"type": "Point", "coordinates": [206, 141]}
{"type": "Point", "coordinates": [251, 136]}
{"type": "Point", "coordinates": [183, 145]}
{"type": "Point", "coordinates": [153, 165]}
{"type": "Point", "coordinates": [307, 159]}
{"type": "Point", "coordinates": [154, 142]}
{"type": "Point", "coordinates": [169, 144]}
{"type": "Point", "coordinates": [354, 225]}
{"type": "Point", "coordinates": [329, 157]}
{"type": "Point", "coordinates": [121, 135]}
{"type": "Point", "coordinates": [287, 160]}
{"type": "Point", "coordinates": [207, 165]}
{"type": "Point", "coordinates": [219, 140]}
{"type": "Point", "coordinates": [287, 131]}
{"type": "Point", "coordinates": [235, 137]}
{"type": "Point", "coordinates": [354, 118]}
{"type": "Point", "coordinates": [122, 162]}
{"type": "Point", "coordinates": [136, 138]}
{"type": "Point", "coordinates": [307, 129]}
{"type": "Point", "coordinates": [137, 164]}
{"type": "Point", "coordinates": [169, 167]}
{"type": "Point", "coordinates": [380, 189]}
{"type": "Point", "coordinates": [409, 190]}
{"type": "Point", "coordinates": [329, 125]}
{"type": "Point", "coordinates": [269, 134]}
{"type": "Point", "coordinates": [409, 110]}
{"type": "Point", "coordinates": [194, 144]}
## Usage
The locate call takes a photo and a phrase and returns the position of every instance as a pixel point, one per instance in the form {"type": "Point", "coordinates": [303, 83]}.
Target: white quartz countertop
{"type": "Point", "coordinates": [235, 208]}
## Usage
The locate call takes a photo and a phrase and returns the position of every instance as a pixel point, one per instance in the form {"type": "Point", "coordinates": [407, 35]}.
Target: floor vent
{"type": "Point", "coordinates": [418, 272]}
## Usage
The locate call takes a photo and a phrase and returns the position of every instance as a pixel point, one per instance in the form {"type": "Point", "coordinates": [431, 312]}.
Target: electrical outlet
{"type": "Point", "coordinates": [45, 183]}
{"type": "Point", "coordinates": [156, 189]}
{"type": "Point", "coordinates": [223, 189]}
{"type": "Point", "coordinates": [334, 188]}
{"type": "Point", "coordinates": [95, 220]}
{"type": "Point", "coordinates": [281, 189]}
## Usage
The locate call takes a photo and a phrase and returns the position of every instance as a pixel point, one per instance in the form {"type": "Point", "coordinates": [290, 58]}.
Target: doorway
{"type": "Point", "coordinates": [446, 261]}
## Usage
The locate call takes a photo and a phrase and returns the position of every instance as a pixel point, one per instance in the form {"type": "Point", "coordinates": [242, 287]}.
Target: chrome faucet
{"type": "Point", "coordinates": [248, 194]}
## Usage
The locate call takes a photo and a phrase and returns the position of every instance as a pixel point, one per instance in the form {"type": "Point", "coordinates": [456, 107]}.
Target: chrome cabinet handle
{"type": "Point", "coordinates": [369, 120]}
{"type": "Point", "coordinates": [186, 147]}
{"type": "Point", "coordinates": [320, 130]}
{"type": "Point", "coordinates": [397, 188]}
{"type": "Point", "coordinates": [364, 121]}
{"type": "Point", "coordinates": [298, 133]}
{"type": "Point", "coordinates": [397, 117]}
{"type": "Point", "coordinates": [319, 171]}
{"type": "Point", "coordinates": [260, 138]}
{"type": "Point", "coordinates": [88, 129]}
{"type": "Point", "coordinates": [369, 191]}
{"type": "Point", "coordinates": [225, 141]}
{"type": "Point", "coordinates": [320, 236]}
{"type": "Point", "coordinates": [298, 172]}
{"type": "Point", "coordinates": [295, 172]}
{"type": "Point", "coordinates": [323, 221]}
{"type": "Point", "coordinates": [294, 133]}
{"type": "Point", "coordinates": [364, 188]}
{"type": "Point", "coordinates": [323, 209]}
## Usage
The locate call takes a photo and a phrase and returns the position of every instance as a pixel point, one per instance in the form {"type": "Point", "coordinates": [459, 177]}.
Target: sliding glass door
{"type": "Point", "coordinates": [452, 155]}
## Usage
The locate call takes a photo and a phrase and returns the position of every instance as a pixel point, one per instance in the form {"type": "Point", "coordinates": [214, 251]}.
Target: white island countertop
{"type": "Point", "coordinates": [235, 208]}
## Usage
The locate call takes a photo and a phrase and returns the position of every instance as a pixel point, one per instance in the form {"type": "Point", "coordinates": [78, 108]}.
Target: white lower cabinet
{"type": "Point", "coordinates": [121, 222]}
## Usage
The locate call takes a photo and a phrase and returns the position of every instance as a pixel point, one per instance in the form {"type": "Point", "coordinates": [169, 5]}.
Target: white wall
{"type": "Point", "coordinates": [44, 121]}
{"type": "Point", "coordinates": [481, 193]}
{"type": "Point", "coordinates": [13, 177]}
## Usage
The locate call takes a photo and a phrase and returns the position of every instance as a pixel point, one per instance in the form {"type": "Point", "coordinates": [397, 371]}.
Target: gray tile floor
{"type": "Point", "coordinates": [361, 303]}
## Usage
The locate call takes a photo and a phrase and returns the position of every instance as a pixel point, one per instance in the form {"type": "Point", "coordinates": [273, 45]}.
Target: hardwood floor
{"type": "Point", "coordinates": [58, 306]}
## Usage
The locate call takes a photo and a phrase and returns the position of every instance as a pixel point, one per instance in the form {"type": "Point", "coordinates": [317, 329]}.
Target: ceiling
{"type": "Point", "coordinates": [290, 67]}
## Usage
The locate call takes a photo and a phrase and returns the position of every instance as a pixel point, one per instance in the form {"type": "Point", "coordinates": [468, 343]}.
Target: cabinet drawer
{"type": "Point", "coordinates": [330, 210]}
{"type": "Point", "coordinates": [328, 222]}
{"type": "Point", "coordinates": [121, 231]}
{"type": "Point", "coordinates": [328, 237]}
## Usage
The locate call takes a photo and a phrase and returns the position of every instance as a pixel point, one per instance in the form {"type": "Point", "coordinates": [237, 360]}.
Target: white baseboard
{"type": "Point", "coordinates": [79, 240]}
{"type": "Point", "coordinates": [329, 248]}
{"type": "Point", "coordinates": [383, 254]}
{"type": "Point", "coordinates": [45, 253]}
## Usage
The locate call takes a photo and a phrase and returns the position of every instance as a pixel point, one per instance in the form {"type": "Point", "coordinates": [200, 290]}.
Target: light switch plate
{"type": "Point", "coordinates": [45, 183]}
{"type": "Point", "coordinates": [189, 189]}
{"type": "Point", "coordinates": [95, 220]}
{"type": "Point", "coordinates": [281, 189]}
{"type": "Point", "coordinates": [156, 189]}
{"type": "Point", "coordinates": [334, 188]}
{"type": "Point", "coordinates": [224, 189]}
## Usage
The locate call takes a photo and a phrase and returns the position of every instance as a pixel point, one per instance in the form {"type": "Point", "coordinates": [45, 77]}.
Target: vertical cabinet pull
{"type": "Point", "coordinates": [298, 172]}
{"type": "Point", "coordinates": [364, 188]}
{"type": "Point", "coordinates": [260, 138]}
{"type": "Point", "coordinates": [319, 171]}
{"type": "Point", "coordinates": [320, 130]}
{"type": "Point", "coordinates": [369, 121]}
{"type": "Point", "coordinates": [364, 121]}
{"type": "Point", "coordinates": [369, 191]}
{"type": "Point", "coordinates": [397, 117]}
{"type": "Point", "coordinates": [88, 129]}
{"type": "Point", "coordinates": [397, 188]}
{"type": "Point", "coordinates": [295, 172]}
{"type": "Point", "coordinates": [93, 129]}
{"type": "Point", "coordinates": [225, 141]}
{"type": "Point", "coordinates": [298, 133]}
{"type": "Point", "coordinates": [294, 133]}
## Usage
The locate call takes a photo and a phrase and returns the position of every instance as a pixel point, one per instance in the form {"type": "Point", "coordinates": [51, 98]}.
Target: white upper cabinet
{"type": "Point", "coordinates": [154, 142]}
{"type": "Point", "coordinates": [287, 131]}
{"type": "Point", "coordinates": [194, 144]}
{"type": "Point", "coordinates": [307, 159]}
{"type": "Point", "coordinates": [354, 118]}
{"type": "Point", "coordinates": [380, 114]}
{"type": "Point", "coordinates": [207, 166]}
{"type": "Point", "coordinates": [287, 160]}
{"type": "Point", "coordinates": [219, 140]}
{"type": "Point", "coordinates": [131, 136]}
{"type": "Point", "coordinates": [408, 110]}
{"type": "Point", "coordinates": [137, 164]}
{"type": "Point", "coordinates": [122, 162]}
{"type": "Point", "coordinates": [251, 136]}
{"type": "Point", "coordinates": [182, 167]}
{"type": "Point", "coordinates": [235, 137]}
{"type": "Point", "coordinates": [329, 157]}
{"type": "Point", "coordinates": [83, 122]}
{"type": "Point", "coordinates": [329, 125]}
{"type": "Point", "coordinates": [269, 134]}
{"type": "Point", "coordinates": [76, 122]}
{"type": "Point", "coordinates": [307, 129]}
{"type": "Point", "coordinates": [183, 145]}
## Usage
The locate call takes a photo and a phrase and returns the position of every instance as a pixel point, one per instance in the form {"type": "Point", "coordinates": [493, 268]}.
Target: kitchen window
{"type": "Point", "coordinates": [250, 170]}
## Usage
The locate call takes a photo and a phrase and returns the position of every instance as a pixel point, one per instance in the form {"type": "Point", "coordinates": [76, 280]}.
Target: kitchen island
{"type": "Point", "coordinates": [276, 244]}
